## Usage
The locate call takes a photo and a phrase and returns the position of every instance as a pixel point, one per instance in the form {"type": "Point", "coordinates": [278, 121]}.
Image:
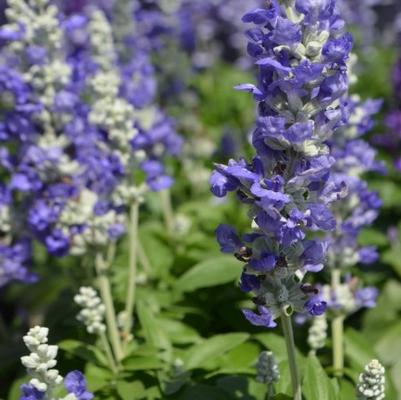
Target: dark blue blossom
{"type": "Point", "coordinates": [75, 383]}
{"type": "Point", "coordinates": [367, 296]}
{"type": "Point", "coordinates": [57, 243]}
{"type": "Point", "coordinates": [28, 392]}
{"type": "Point", "coordinates": [315, 306]}
{"type": "Point", "coordinates": [14, 262]}
{"type": "Point", "coordinates": [264, 318]}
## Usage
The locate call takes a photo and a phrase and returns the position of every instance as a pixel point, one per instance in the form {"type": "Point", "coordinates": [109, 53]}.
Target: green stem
{"type": "Point", "coordinates": [337, 329]}
{"type": "Point", "coordinates": [270, 391]}
{"type": "Point", "coordinates": [167, 211]}
{"type": "Point", "coordinates": [290, 344]}
{"type": "Point", "coordinates": [144, 260]}
{"type": "Point", "coordinates": [109, 353]}
{"type": "Point", "coordinates": [105, 293]}
{"type": "Point", "coordinates": [133, 247]}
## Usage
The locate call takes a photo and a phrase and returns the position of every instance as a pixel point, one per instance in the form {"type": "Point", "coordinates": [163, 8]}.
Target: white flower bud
{"type": "Point", "coordinates": [267, 368]}
{"type": "Point", "coordinates": [371, 384]}
{"type": "Point", "coordinates": [318, 332]}
{"type": "Point", "coordinates": [38, 385]}
{"type": "Point", "coordinates": [93, 310]}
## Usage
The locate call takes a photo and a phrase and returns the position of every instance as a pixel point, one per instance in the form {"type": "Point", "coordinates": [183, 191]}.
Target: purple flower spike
{"type": "Point", "coordinates": [288, 183]}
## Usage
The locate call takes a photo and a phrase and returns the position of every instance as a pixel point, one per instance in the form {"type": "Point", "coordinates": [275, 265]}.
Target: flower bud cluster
{"type": "Point", "coordinates": [302, 55]}
{"type": "Point", "coordinates": [42, 360]}
{"type": "Point", "coordinates": [92, 313]}
{"type": "Point", "coordinates": [46, 380]}
{"type": "Point", "coordinates": [267, 368]}
{"type": "Point", "coordinates": [347, 298]}
{"type": "Point", "coordinates": [371, 384]}
{"type": "Point", "coordinates": [317, 333]}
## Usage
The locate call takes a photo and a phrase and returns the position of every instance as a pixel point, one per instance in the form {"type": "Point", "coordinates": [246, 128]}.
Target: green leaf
{"type": "Point", "coordinates": [277, 345]}
{"type": "Point", "coordinates": [240, 360]}
{"type": "Point", "coordinates": [347, 389]}
{"type": "Point", "coordinates": [142, 363]}
{"type": "Point", "coordinates": [178, 332]}
{"type": "Point", "coordinates": [211, 272]}
{"type": "Point", "coordinates": [198, 355]}
{"type": "Point", "coordinates": [130, 390]}
{"type": "Point", "coordinates": [281, 396]}
{"type": "Point", "coordinates": [389, 344]}
{"type": "Point", "coordinates": [372, 237]}
{"type": "Point", "coordinates": [97, 378]}
{"type": "Point", "coordinates": [84, 351]}
{"type": "Point", "coordinates": [393, 257]}
{"type": "Point", "coordinates": [154, 334]}
{"type": "Point", "coordinates": [316, 383]}
{"type": "Point", "coordinates": [358, 349]}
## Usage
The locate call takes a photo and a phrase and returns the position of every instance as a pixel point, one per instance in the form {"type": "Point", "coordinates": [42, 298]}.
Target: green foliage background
{"type": "Point", "coordinates": [191, 341]}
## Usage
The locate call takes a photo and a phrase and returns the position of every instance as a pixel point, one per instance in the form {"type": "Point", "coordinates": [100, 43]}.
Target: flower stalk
{"type": "Point", "coordinates": [105, 293]}
{"type": "Point", "coordinates": [290, 344]}
{"type": "Point", "coordinates": [337, 329]}
{"type": "Point", "coordinates": [165, 198]}
{"type": "Point", "coordinates": [132, 273]}
{"type": "Point", "coordinates": [109, 353]}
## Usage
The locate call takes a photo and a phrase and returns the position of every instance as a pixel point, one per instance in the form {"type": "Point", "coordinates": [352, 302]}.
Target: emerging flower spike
{"type": "Point", "coordinates": [45, 379]}
{"type": "Point", "coordinates": [92, 313]}
{"type": "Point", "coordinates": [42, 360]}
{"type": "Point", "coordinates": [302, 55]}
{"type": "Point", "coordinates": [267, 368]}
{"type": "Point", "coordinates": [317, 333]}
{"type": "Point", "coordinates": [371, 384]}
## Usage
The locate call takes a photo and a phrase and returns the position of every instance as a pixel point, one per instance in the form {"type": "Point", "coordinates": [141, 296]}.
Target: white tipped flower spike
{"type": "Point", "coordinates": [267, 368]}
{"type": "Point", "coordinates": [92, 313]}
{"type": "Point", "coordinates": [318, 332]}
{"type": "Point", "coordinates": [371, 384]}
{"type": "Point", "coordinates": [41, 361]}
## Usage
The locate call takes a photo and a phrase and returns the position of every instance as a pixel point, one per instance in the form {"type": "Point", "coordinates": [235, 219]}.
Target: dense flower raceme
{"type": "Point", "coordinates": [46, 379]}
{"type": "Point", "coordinates": [358, 209]}
{"type": "Point", "coordinates": [301, 51]}
{"type": "Point", "coordinates": [76, 123]}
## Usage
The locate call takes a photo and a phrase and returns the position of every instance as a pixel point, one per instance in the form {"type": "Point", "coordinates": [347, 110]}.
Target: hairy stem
{"type": "Point", "coordinates": [290, 344]}
{"type": "Point", "coordinates": [133, 250]}
{"type": "Point", "coordinates": [105, 293]}
{"type": "Point", "coordinates": [168, 214]}
{"type": "Point", "coordinates": [337, 329]}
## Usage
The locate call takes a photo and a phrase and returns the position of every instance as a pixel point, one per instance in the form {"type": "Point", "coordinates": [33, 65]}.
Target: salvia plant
{"type": "Point", "coordinates": [302, 54]}
{"type": "Point", "coordinates": [137, 297]}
